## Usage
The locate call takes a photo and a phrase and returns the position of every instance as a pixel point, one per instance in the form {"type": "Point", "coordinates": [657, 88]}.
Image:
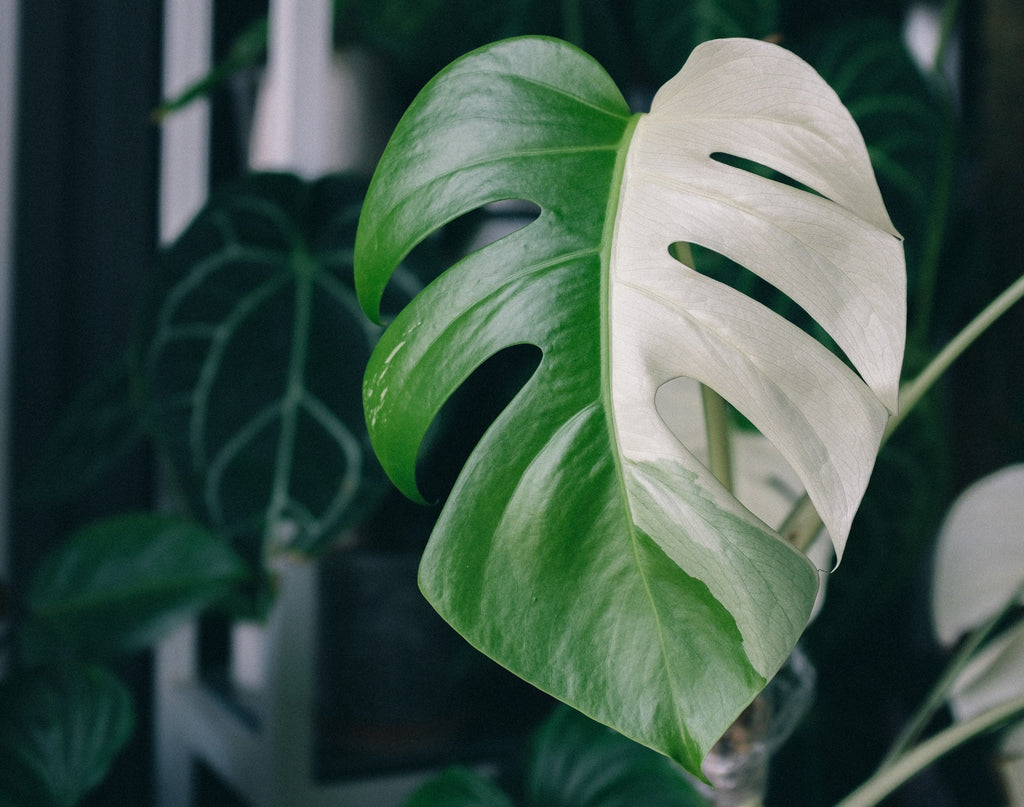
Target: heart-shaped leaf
{"type": "Point", "coordinates": [252, 356]}
{"type": "Point", "coordinates": [583, 546]}
{"type": "Point", "coordinates": [59, 731]}
{"type": "Point", "coordinates": [120, 584]}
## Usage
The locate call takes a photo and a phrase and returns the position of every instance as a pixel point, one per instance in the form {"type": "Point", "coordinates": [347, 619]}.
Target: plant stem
{"type": "Point", "coordinates": [888, 779]}
{"type": "Point", "coordinates": [803, 523]}
{"type": "Point", "coordinates": [937, 696]}
{"type": "Point", "coordinates": [914, 390]}
{"type": "Point", "coordinates": [716, 421]}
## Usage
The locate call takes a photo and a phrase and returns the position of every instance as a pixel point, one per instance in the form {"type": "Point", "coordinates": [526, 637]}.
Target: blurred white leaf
{"type": "Point", "coordinates": [979, 560]}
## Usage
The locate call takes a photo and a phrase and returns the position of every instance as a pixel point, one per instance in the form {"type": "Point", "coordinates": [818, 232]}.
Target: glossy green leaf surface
{"type": "Point", "coordinates": [120, 584]}
{"type": "Point", "coordinates": [583, 545]}
{"type": "Point", "coordinates": [59, 732]}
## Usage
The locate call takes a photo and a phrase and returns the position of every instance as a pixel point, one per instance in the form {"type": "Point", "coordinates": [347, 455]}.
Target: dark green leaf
{"type": "Point", "coordinates": [575, 762]}
{"type": "Point", "coordinates": [251, 361]}
{"type": "Point", "coordinates": [120, 584]}
{"type": "Point", "coordinates": [459, 787]}
{"type": "Point", "coordinates": [59, 732]}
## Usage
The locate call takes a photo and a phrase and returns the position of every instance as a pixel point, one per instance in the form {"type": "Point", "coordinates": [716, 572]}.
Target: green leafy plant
{"type": "Point", "coordinates": [249, 364]}
{"type": "Point", "coordinates": [977, 590]}
{"type": "Point", "coordinates": [246, 375]}
{"type": "Point", "coordinates": [572, 762]}
{"type": "Point", "coordinates": [631, 564]}
{"type": "Point", "coordinates": [111, 589]}
{"type": "Point", "coordinates": [584, 546]}
{"type": "Point", "coordinates": [591, 544]}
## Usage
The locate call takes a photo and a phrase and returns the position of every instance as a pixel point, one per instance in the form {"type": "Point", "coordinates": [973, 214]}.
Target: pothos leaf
{"type": "Point", "coordinates": [120, 584]}
{"type": "Point", "coordinates": [60, 730]}
{"type": "Point", "coordinates": [583, 545]}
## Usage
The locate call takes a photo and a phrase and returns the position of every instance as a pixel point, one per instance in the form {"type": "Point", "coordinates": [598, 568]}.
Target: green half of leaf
{"type": "Point", "coordinates": [583, 546]}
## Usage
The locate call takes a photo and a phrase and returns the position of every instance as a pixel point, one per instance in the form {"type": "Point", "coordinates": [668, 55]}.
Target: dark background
{"type": "Point", "coordinates": [85, 233]}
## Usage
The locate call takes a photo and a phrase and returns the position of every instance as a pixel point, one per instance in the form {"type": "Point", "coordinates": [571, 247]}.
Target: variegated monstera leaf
{"type": "Point", "coordinates": [583, 546]}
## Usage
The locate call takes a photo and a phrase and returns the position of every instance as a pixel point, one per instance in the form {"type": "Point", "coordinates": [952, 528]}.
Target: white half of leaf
{"type": "Point", "coordinates": [838, 257]}
{"type": "Point", "coordinates": [979, 560]}
{"type": "Point", "coordinates": [762, 479]}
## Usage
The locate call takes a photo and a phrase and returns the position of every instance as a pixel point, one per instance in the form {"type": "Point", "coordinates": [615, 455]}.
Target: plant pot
{"type": "Point", "coordinates": [396, 686]}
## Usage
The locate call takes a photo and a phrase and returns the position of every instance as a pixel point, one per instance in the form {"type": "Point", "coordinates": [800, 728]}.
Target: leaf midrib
{"type": "Point", "coordinates": [608, 238]}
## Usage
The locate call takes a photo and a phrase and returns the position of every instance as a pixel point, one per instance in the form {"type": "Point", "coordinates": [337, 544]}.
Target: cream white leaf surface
{"type": "Point", "coordinates": [979, 562]}
{"type": "Point", "coordinates": [993, 676]}
{"type": "Point", "coordinates": [835, 254]}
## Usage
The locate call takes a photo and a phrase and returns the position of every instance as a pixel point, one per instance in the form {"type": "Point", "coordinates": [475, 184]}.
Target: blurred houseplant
{"type": "Point", "coordinates": [211, 486]}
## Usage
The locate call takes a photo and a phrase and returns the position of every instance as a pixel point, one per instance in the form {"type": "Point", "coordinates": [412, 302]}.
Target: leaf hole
{"type": "Point", "coordinates": [762, 170]}
{"type": "Point", "coordinates": [723, 270]}
{"type": "Point", "coordinates": [468, 413]}
{"type": "Point", "coordinates": [468, 233]}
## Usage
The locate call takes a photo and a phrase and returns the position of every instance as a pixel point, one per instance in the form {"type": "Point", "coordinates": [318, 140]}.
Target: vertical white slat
{"type": "Point", "coordinates": [8, 121]}
{"type": "Point", "coordinates": [184, 135]}
{"type": "Point", "coordinates": [314, 115]}
{"type": "Point", "coordinates": [315, 110]}
{"type": "Point", "coordinates": [184, 184]}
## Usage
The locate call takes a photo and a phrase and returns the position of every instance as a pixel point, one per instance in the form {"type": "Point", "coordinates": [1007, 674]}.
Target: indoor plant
{"type": "Point", "coordinates": [887, 200]}
{"type": "Point", "coordinates": [559, 551]}
{"type": "Point", "coordinates": [581, 488]}
{"type": "Point", "coordinates": [112, 589]}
